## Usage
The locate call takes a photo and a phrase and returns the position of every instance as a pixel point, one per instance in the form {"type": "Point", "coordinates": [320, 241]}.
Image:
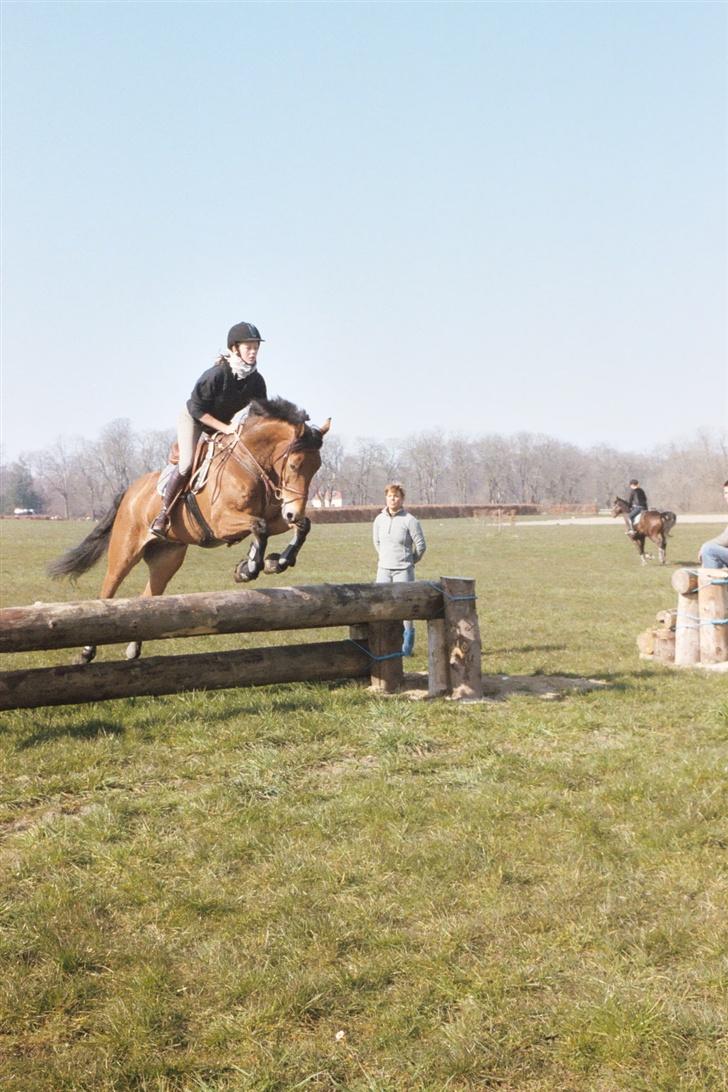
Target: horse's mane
{"type": "Point", "coordinates": [279, 409]}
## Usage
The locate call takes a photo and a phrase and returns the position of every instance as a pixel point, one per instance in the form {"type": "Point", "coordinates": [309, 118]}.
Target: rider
{"type": "Point", "coordinates": [637, 502]}
{"type": "Point", "coordinates": [223, 390]}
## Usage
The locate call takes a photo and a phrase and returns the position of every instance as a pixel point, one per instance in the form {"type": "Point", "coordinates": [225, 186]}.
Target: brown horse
{"type": "Point", "coordinates": [256, 485]}
{"type": "Point", "coordinates": [652, 524]}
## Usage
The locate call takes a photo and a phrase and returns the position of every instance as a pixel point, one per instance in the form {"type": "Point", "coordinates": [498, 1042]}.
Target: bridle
{"type": "Point", "coordinates": [271, 487]}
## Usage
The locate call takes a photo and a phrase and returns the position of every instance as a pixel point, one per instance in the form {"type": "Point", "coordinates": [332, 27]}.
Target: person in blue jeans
{"type": "Point", "coordinates": [400, 544]}
{"type": "Point", "coordinates": [714, 553]}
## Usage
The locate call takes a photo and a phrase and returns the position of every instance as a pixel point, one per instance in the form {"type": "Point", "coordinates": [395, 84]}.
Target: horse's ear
{"type": "Point", "coordinates": [324, 428]}
{"type": "Point", "coordinates": [300, 429]}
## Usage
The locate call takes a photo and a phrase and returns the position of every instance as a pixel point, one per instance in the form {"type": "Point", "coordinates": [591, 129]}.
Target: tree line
{"type": "Point", "coordinates": [78, 478]}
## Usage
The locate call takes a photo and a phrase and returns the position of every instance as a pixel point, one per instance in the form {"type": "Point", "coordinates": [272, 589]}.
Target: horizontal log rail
{"type": "Point", "coordinates": [373, 613]}
{"type": "Point", "coordinates": [73, 683]}
{"type": "Point", "coordinates": [116, 621]}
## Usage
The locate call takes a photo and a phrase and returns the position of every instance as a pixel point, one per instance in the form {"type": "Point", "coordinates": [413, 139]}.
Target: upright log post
{"type": "Point", "coordinates": [462, 634]}
{"type": "Point", "coordinates": [385, 646]}
{"type": "Point", "coordinates": [713, 607]}
{"type": "Point", "coordinates": [438, 660]}
{"type": "Point", "coordinates": [687, 623]}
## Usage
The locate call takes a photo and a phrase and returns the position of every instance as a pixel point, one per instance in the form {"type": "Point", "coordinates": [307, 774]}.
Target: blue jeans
{"type": "Point", "coordinates": [714, 556]}
{"type": "Point", "coordinates": [397, 576]}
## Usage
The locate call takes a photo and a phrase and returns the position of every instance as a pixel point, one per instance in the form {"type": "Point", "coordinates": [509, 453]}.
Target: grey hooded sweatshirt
{"type": "Point", "coordinates": [398, 539]}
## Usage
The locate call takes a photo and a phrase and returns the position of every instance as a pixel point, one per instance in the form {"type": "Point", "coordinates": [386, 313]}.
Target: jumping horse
{"type": "Point", "coordinates": [256, 486]}
{"type": "Point", "coordinates": [652, 524]}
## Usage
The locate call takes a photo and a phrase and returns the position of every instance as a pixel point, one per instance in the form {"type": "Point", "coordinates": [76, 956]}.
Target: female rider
{"type": "Point", "coordinates": [223, 390]}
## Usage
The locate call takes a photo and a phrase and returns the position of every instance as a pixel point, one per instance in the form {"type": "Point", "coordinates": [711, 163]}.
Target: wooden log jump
{"type": "Point", "coordinates": [373, 613]}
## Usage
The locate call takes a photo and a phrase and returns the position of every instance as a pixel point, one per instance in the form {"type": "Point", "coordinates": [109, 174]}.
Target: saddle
{"type": "Point", "coordinates": [203, 452]}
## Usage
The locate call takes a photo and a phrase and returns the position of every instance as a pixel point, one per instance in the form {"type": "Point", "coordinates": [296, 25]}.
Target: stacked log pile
{"type": "Point", "coordinates": [695, 632]}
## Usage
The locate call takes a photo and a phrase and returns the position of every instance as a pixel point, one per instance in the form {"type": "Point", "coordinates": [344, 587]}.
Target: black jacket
{"type": "Point", "coordinates": [637, 498]}
{"type": "Point", "coordinates": [220, 394]}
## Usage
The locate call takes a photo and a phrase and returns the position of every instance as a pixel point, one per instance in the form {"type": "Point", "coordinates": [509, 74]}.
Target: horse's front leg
{"type": "Point", "coordinates": [278, 563]}
{"type": "Point", "coordinates": [251, 565]}
{"type": "Point", "coordinates": [662, 548]}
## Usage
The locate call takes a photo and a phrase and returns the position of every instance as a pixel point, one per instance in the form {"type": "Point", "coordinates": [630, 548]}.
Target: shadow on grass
{"type": "Point", "coordinates": [490, 651]}
{"type": "Point", "coordinates": [92, 729]}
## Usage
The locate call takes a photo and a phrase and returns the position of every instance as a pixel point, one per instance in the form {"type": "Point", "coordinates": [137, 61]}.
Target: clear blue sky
{"type": "Point", "coordinates": [479, 217]}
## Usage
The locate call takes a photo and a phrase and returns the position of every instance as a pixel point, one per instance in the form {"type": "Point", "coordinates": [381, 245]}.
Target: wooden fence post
{"type": "Point", "coordinates": [385, 645]}
{"type": "Point", "coordinates": [713, 605]}
{"type": "Point", "coordinates": [463, 637]}
{"type": "Point", "coordinates": [687, 623]}
{"type": "Point", "coordinates": [438, 661]}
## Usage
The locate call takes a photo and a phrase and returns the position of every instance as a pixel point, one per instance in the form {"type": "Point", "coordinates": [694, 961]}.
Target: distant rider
{"type": "Point", "coordinates": [223, 390]}
{"type": "Point", "coordinates": [637, 502]}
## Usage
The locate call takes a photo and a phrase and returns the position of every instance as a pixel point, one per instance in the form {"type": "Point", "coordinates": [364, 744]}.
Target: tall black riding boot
{"type": "Point", "coordinates": [172, 492]}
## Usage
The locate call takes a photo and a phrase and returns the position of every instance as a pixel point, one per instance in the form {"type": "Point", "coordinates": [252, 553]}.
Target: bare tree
{"type": "Point", "coordinates": [360, 467]}
{"type": "Point", "coordinates": [461, 466]}
{"type": "Point", "coordinates": [426, 454]}
{"type": "Point", "coordinates": [329, 477]}
{"type": "Point", "coordinates": [56, 467]}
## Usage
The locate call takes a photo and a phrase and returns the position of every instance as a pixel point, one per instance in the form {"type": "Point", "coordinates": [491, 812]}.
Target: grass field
{"type": "Point", "coordinates": [310, 887]}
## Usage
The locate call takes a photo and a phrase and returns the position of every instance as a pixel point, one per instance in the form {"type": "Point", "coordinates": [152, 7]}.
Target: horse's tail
{"type": "Point", "coordinates": [79, 559]}
{"type": "Point", "coordinates": [669, 519]}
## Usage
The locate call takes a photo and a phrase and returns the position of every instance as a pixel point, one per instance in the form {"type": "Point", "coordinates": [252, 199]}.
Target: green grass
{"type": "Point", "coordinates": [204, 892]}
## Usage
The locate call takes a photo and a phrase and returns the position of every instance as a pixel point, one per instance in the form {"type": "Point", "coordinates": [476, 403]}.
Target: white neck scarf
{"type": "Point", "coordinates": [237, 366]}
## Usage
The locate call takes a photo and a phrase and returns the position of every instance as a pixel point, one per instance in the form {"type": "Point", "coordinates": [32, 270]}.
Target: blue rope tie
{"type": "Point", "coordinates": [452, 598]}
{"type": "Point", "coordinates": [715, 622]}
{"type": "Point", "coordinates": [377, 659]}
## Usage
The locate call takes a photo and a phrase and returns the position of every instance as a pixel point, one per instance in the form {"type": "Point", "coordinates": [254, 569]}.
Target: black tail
{"type": "Point", "coordinates": [79, 559]}
{"type": "Point", "coordinates": [669, 519]}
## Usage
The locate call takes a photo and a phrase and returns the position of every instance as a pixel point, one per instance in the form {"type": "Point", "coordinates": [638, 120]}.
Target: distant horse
{"type": "Point", "coordinates": [257, 485]}
{"type": "Point", "coordinates": [652, 524]}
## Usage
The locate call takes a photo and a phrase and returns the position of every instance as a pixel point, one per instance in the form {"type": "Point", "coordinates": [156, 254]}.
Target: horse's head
{"type": "Point", "coordinates": [619, 507]}
{"type": "Point", "coordinates": [293, 451]}
{"type": "Point", "coordinates": [301, 462]}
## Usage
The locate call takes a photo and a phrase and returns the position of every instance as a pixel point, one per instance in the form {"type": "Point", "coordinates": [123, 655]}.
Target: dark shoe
{"type": "Point", "coordinates": [160, 525]}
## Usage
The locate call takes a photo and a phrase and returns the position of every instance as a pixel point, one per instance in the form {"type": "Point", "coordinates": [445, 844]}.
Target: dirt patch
{"type": "Point", "coordinates": [501, 687]}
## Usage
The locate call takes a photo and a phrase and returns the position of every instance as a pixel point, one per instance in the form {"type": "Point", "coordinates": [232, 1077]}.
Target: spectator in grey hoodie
{"type": "Point", "coordinates": [400, 544]}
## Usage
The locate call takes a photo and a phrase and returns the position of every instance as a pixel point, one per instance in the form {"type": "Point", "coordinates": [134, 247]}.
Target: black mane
{"type": "Point", "coordinates": [278, 409]}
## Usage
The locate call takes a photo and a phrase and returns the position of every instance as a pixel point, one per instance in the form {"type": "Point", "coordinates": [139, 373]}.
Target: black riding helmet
{"type": "Point", "coordinates": [243, 331]}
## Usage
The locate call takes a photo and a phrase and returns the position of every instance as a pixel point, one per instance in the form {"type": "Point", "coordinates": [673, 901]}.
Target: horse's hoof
{"type": "Point", "coordinates": [86, 655]}
{"type": "Point", "coordinates": [272, 564]}
{"type": "Point", "coordinates": [243, 575]}
{"type": "Point", "coordinates": [133, 650]}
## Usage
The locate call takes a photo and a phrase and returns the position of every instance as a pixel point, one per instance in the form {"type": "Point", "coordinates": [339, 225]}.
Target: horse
{"type": "Point", "coordinates": [652, 524]}
{"type": "Point", "coordinates": [256, 485]}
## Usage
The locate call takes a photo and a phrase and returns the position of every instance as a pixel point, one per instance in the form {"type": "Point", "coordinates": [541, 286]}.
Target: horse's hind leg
{"type": "Point", "coordinates": [163, 560]}
{"type": "Point", "coordinates": [124, 554]}
{"type": "Point", "coordinates": [640, 544]}
{"type": "Point", "coordinates": [663, 549]}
